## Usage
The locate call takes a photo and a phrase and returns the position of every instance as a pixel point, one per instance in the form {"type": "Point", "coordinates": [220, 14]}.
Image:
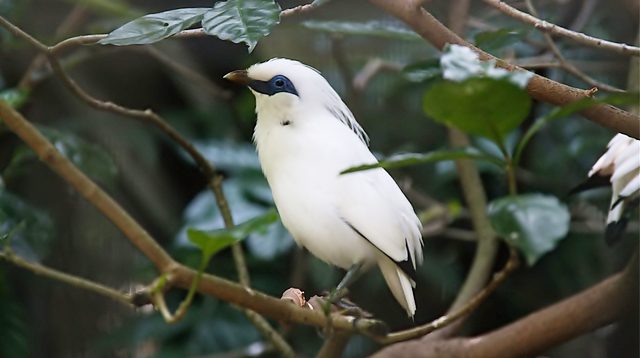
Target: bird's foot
{"type": "Point", "coordinates": [336, 302]}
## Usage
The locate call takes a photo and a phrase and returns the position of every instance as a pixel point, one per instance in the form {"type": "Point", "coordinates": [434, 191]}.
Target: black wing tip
{"type": "Point", "coordinates": [591, 182]}
{"type": "Point", "coordinates": [406, 265]}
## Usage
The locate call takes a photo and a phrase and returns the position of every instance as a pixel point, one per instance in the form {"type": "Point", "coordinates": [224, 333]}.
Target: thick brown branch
{"type": "Point", "coordinates": [595, 307]}
{"type": "Point", "coordinates": [540, 88]}
{"type": "Point", "coordinates": [281, 310]}
{"type": "Point", "coordinates": [89, 190]}
{"type": "Point", "coordinates": [458, 312]}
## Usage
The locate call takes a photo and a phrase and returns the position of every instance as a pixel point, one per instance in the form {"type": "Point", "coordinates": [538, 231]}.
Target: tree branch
{"type": "Point", "coordinates": [71, 280]}
{"type": "Point", "coordinates": [568, 66]}
{"type": "Point", "coordinates": [554, 29]}
{"type": "Point", "coordinates": [597, 306]}
{"type": "Point", "coordinates": [334, 345]}
{"type": "Point", "coordinates": [540, 88]}
{"type": "Point", "coordinates": [89, 190]}
{"type": "Point", "coordinates": [458, 312]}
{"type": "Point", "coordinates": [281, 310]}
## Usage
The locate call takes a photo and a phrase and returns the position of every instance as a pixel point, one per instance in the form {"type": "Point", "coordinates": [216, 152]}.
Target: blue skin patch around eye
{"type": "Point", "coordinates": [276, 84]}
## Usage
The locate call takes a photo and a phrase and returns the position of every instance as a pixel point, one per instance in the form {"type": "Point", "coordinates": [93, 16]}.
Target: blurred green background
{"type": "Point", "coordinates": [161, 187]}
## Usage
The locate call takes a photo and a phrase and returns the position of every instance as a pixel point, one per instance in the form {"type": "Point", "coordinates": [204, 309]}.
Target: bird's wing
{"type": "Point", "coordinates": [373, 205]}
{"type": "Point", "coordinates": [606, 163]}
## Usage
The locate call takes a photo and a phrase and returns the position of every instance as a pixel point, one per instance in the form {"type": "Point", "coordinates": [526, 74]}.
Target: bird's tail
{"type": "Point", "coordinates": [399, 283]}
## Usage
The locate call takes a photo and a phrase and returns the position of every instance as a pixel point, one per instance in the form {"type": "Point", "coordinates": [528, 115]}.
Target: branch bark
{"type": "Point", "coordinates": [540, 88]}
{"type": "Point", "coordinates": [597, 306]}
{"type": "Point", "coordinates": [72, 280]}
{"type": "Point", "coordinates": [87, 188]}
{"type": "Point", "coordinates": [554, 29]}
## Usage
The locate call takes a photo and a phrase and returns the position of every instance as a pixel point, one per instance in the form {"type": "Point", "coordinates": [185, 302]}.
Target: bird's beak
{"type": "Point", "coordinates": [239, 76]}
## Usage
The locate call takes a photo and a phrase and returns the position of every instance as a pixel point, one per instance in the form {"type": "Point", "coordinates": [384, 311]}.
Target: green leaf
{"type": "Point", "coordinates": [154, 27]}
{"type": "Point", "coordinates": [408, 159]}
{"type": "Point", "coordinates": [533, 223]}
{"type": "Point", "coordinates": [494, 40]}
{"type": "Point", "coordinates": [29, 230]}
{"type": "Point", "coordinates": [391, 30]}
{"type": "Point", "coordinates": [483, 106]}
{"type": "Point", "coordinates": [211, 242]}
{"type": "Point", "coordinates": [242, 20]}
{"type": "Point", "coordinates": [423, 71]}
{"type": "Point", "coordinates": [90, 158]}
{"type": "Point", "coordinates": [618, 99]}
{"type": "Point", "coordinates": [14, 97]}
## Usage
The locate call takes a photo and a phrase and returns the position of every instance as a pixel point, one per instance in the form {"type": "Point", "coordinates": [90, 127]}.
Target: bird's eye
{"type": "Point", "coordinates": [279, 82]}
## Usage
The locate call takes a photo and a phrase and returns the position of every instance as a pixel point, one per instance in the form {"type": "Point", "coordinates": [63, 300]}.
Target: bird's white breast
{"type": "Point", "coordinates": [302, 162]}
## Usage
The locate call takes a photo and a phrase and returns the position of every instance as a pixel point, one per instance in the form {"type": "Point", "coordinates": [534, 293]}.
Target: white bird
{"type": "Point", "coordinates": [621, 162]}
{"type": "Point", "coordinates": [305, 136]}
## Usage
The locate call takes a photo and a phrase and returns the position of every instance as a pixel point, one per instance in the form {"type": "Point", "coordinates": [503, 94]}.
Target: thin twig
{"type": "Point", "coordinates": [300, 9]}
{"type": "Point", "coordinates": [554, 29]}
{"type": "Point", "coordinates": [568, 66]}
{"type": "Point", "coordinates": [463, 311]}
{"type": "Point", "coordinates": [369, 71]}
{"type": "Point", "coordinates": [600, 305]}
{"type": "Point", "coordinates": [69, 279]}
{"type": "Point", "coordinates": [89, 190]}
{"type": "Point", "coordinates": [71, 20]}
{"type": "Point", "coordinates": [188, 73]}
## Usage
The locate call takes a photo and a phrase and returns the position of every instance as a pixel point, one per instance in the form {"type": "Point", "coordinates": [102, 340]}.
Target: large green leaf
{"type": "Point", "coordinates": [392, 30]}
{"type": "Point", "coordinates": [407, 159]}
{"type": "Point", "coordinates": [533, 223]}
{"type": "Point", "coordinates": [154, 27]}
{"type": "Point", "coordinates": [483, 106]}
{"type": "Point", "coordinates": [242, 20]}
{"type": "Point", "coordinates": [211, 242]}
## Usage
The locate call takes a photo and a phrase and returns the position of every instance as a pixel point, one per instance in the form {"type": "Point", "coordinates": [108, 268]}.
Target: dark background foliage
{"type": "Point", "coordinates": [156, 182]}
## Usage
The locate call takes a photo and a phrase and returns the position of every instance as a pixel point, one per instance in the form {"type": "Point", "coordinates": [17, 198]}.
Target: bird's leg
{"type": "Point", "coordinates": [354, 272]}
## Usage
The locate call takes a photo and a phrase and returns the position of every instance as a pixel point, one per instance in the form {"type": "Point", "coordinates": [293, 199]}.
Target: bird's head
{"type": "Point", "coordinates": [279, 82]}
{"type": "Point", "coordinates": [289, 87]}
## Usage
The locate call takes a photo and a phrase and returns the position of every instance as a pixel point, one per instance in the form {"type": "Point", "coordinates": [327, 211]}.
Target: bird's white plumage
{"type": "Point", "coordinates": [621, 161]}
{"type": "Point", "coordinates": [344, 220]}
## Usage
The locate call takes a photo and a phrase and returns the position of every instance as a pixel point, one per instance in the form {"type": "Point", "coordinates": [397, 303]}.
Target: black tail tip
{"type": "Point", "coordinates": [615, 231]}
